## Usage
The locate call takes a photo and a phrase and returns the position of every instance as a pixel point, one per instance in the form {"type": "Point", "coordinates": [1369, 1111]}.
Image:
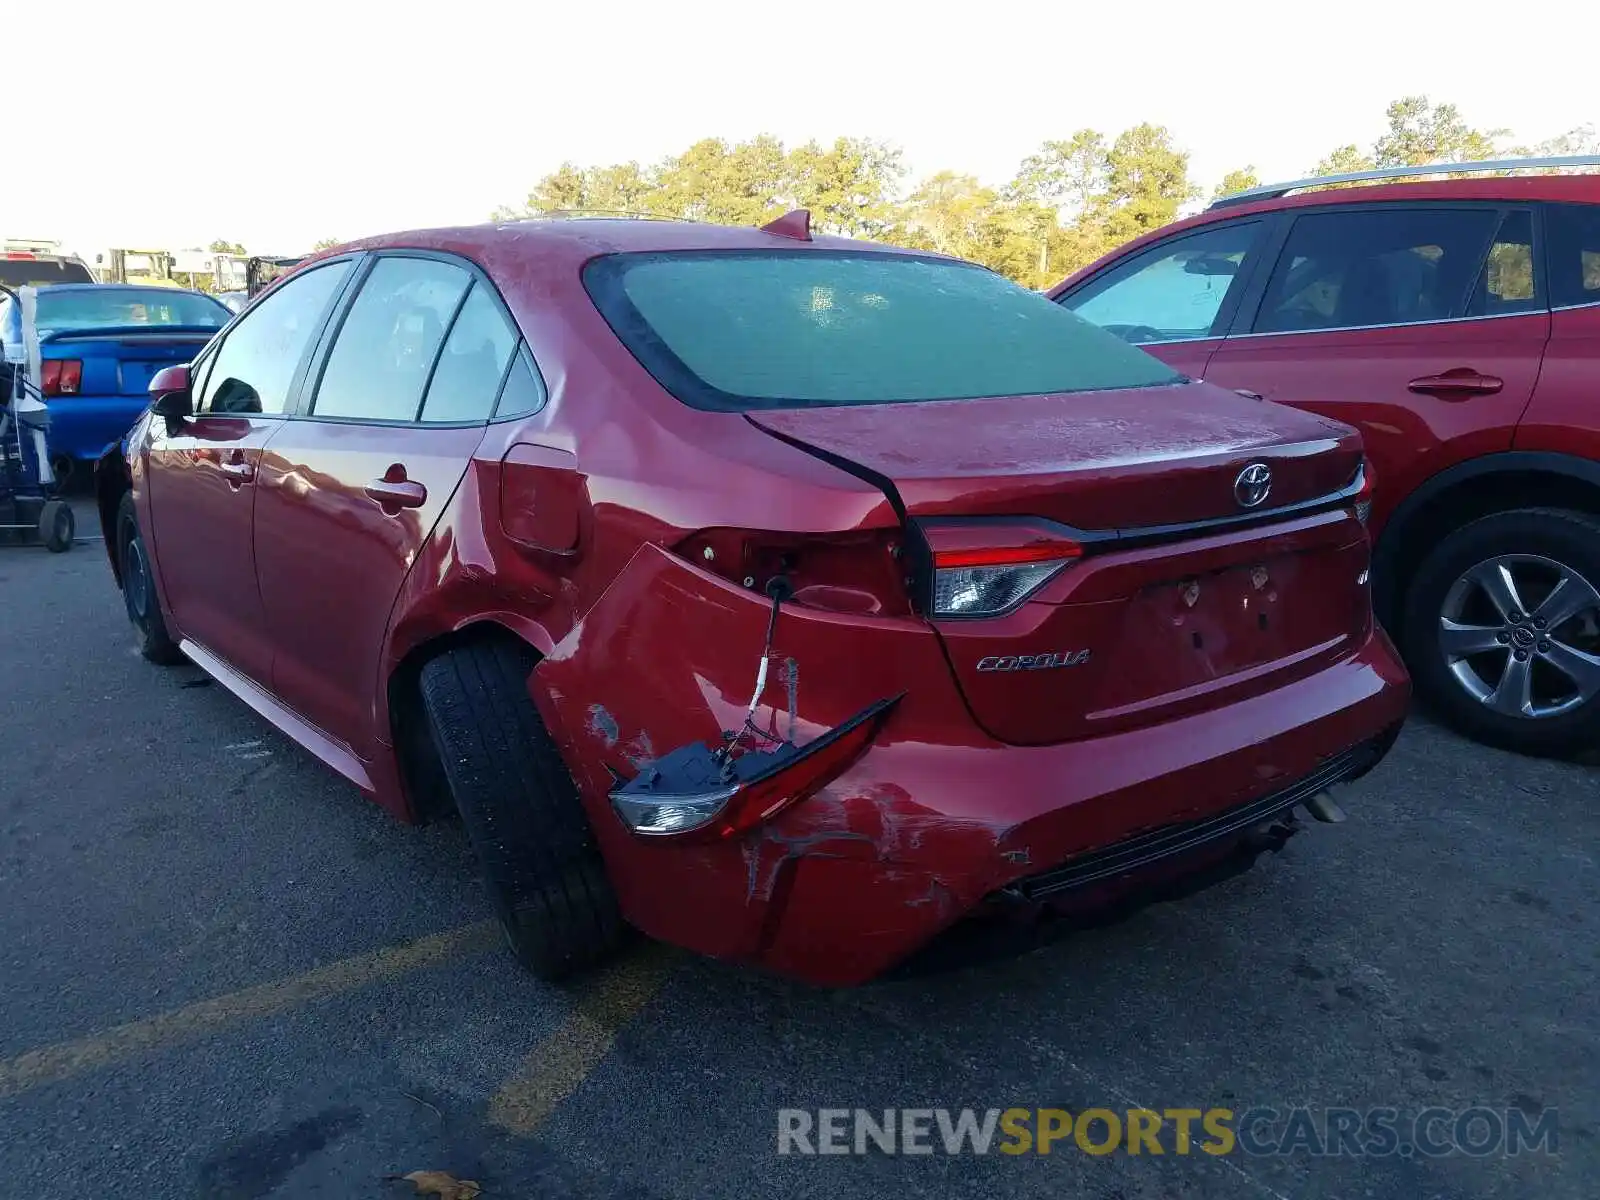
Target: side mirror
{"type": "Point", "coordinates": [169, 393]}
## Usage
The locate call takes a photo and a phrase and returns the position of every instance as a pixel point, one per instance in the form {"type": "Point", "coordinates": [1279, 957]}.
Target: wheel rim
{"type": "Point", "coordinates": [136, 581]}
{"type": "Point", "coordinates": [1520, 634]}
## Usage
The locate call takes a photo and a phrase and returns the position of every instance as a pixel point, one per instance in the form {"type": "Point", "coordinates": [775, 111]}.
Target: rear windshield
{"type": "Point", "coordinates": [116, 307]}
{"type": "Point", "coordinates": [737, 330]}
{"type": "Point", "coordinates": [28, 272]}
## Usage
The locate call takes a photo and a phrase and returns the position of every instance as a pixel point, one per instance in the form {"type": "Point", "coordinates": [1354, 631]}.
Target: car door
{"type": "Point", "coordinates": [1176, 298]}
{"type": "Point", "coordinates": [202, 471]}
{"type": "Point", "coordinates": [1422, 325]}
{"type": "Point", "coordinates": [352, 486]}
{"type": "Point", "coordinates": [1564, 417]}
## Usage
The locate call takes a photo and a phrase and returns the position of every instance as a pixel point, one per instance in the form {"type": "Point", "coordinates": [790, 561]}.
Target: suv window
{"type": "Point", "coordinates": [390, 338]}
{"type": "Point", "coordinates": [1343, 270]}
{"type": "Point", "coordinates": [252, 371]}
{"type": "Point", "coordinates": [1171, 292]}
{"type": "Point", "coordinates": [1507, 284]}
{"type": "Point", "coordinates": [1574, 254]}
{"type": "Point", "coordinates": [468, 376]}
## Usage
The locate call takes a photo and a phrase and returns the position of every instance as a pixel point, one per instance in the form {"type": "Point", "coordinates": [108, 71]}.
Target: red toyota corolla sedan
{"type": "Point", "coordinates": [788, 598]}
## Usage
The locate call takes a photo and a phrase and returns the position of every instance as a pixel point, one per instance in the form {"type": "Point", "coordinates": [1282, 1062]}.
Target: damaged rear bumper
{"type": "Point", "coordinates": [936, 818]}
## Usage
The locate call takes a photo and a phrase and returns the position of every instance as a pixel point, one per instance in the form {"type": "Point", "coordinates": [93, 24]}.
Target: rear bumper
{"type": "Point", "coordinates": [81, 427]}
{"type": "Point", "coordinates": [918, 835]}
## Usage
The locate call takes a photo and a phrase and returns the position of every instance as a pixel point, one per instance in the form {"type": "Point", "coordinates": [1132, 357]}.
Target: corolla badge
{"type": "Point", "coordinates": [1034, 662]}
{"type": "Point", "coordinates": [1253, 485]}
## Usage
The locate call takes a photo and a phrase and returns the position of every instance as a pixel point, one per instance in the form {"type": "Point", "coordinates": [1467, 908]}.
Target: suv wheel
{"type": "Point", "coordinates": [139, 589]}
{"type": "Point", "coordinates": [1502, 625]}
{"type": "Point", "coordinates": [520, 808]}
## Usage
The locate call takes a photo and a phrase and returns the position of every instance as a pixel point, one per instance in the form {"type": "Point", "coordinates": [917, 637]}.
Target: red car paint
{"type": "Point", "coordinates": [310, 565]}
{"type": "Point", "coordinates": [1539, 367]}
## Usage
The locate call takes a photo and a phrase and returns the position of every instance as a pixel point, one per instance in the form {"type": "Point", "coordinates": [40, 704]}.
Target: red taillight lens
{"type": "Point", "coordinates": [984, 569]}
{"type": "Point", "coordinates": [1363, 497]}
{"type": "Point", "coordinates": [61, 376]}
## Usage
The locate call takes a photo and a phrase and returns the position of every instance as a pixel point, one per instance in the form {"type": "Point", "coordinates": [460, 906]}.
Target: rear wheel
{"type": "Point", "coordinates": [520, 808]}
{"type": "Point", "coordinates": [139, 589]}
{"type": "Point", "coordinates": [1502, 625]}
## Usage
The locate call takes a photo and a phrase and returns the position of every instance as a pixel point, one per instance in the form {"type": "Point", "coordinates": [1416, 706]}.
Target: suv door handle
{"type": "Point", "coordinates": [1457, 384]}
{"type": "Point", "coordinates": [394, 494]}
{"type": "Point", "coordinates": [238, 471]}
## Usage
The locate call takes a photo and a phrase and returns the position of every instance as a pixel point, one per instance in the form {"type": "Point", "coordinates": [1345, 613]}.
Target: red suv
{"type": "Point", "coordinates": [786, 598]}
{"type": "Point", "coordinates": [1457, 325]}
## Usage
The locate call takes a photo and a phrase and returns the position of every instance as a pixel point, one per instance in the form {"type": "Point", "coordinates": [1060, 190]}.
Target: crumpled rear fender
{"type": "Point", "coordinates": [669, 656]}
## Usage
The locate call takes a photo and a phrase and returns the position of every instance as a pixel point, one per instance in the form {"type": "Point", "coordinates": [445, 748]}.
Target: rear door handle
{"type": "Point", "coordinates": [238, 472]}
{"type": "Point", "coordinates": [1457, 384]}
{"type": "Point", "coordinates": [394, 494]}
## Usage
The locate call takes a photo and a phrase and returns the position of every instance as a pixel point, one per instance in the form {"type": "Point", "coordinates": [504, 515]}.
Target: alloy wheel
{"type": "Point", "coordinates": [1521, 634]}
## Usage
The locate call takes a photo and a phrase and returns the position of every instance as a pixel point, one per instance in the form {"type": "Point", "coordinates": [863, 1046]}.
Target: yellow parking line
{"type": "Point", "coordinates": [51, 1064]}
{"type": "Point", "coordinates": [563, 1060]}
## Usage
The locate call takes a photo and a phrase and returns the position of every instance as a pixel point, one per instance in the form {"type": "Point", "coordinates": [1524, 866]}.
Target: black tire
{"type": "Point", "coordinates": [520, 808]}
{"type": "Point", "coordinates": [56, 526]}
{"type": "Point", "coordinates": [139, 589]}
{"type": "Point", "coordinates": [1531, 536]}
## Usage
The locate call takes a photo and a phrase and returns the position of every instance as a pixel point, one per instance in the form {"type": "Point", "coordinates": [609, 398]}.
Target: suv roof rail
{"type": "Point", "coordinates": [1272, 191]}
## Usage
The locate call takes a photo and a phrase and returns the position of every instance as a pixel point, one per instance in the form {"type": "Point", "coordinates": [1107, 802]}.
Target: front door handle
{"type": "Point", "coordinates": [238, 472]}
{"type": "Point", "coordinates": [1457, 384]}
{"type": "Point", "coordinates": [394, 491]}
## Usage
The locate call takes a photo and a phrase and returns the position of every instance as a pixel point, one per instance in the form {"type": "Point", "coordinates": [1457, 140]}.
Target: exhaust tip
{"type": "Point", "coordinates": [1322, 807]}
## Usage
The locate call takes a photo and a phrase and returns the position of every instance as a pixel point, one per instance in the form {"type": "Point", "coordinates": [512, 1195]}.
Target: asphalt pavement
{"type": "Point", "coordinates": [227, 975]}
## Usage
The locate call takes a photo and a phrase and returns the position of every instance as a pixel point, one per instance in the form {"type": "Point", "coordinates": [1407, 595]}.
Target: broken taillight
{"type": "Point", "coordinates": [1363, 496]}
{"type": "Point", "coordinates": [721, 793]}
{"type": "Point", "coordinates": [859, 572]}
{"type": "Point", "coordinates": [987, 568]}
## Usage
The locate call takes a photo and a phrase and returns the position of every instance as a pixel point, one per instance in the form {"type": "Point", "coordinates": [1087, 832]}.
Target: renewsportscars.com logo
{"type": "Point", "coordinates": [1368, 1133]}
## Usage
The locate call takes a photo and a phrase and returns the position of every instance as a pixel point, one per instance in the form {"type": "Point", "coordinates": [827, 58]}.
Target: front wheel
{"type": "Point", "coordinates": [1502, 627]}
{"type": "Point", "coordinates": [520, 808]}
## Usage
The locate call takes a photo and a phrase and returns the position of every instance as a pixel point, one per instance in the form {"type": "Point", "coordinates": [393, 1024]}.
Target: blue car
{"type": "Point", "coordinates": [99, 344]}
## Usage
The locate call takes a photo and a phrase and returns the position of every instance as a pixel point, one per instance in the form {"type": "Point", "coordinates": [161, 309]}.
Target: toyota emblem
{"type": "Point", "coordinates": [1253, 484]}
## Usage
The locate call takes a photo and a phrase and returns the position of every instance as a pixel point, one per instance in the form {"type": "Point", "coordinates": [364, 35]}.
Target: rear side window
{"type": "Point", "coordinates": [467, 378]}
{"type": "Point", "coordinates": [30, 272]}
{"type": "Point", "coordinates": [1342, 270]}
{"type": "Point", "coordinates": [252, 371]}
{"type": "Point", "coordinates": [738, 330]}
{"type": "Point", "coordinates": [1507, 284]}
{"type": "Point", "coordinates": [389, 340]}
{"type": "Point", "coordinates": [1172, 292]}
{"type": "Point", "coordinates": [1574, 253]}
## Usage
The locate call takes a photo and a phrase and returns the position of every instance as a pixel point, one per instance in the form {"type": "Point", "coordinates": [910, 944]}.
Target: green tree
{"type": "Point", "coordinates": [1421, 132]}
{"type": "Point", "coordinates": [1241, 180]}
{"type": "Point", "coordinates": [741, 184]}
{"type": "Point", "coordinates": [1344, 160]}
{"type": "Point", "coordinates": [221, 247]}
{"type": "Point", "coordinates": [327, 243]}
{"type": "Point", "coordinates": [1147, 181]}
{"type": "Point", "coordinates": [849, 187]}
{"type": "Point", "coordinates": [1068, 176]}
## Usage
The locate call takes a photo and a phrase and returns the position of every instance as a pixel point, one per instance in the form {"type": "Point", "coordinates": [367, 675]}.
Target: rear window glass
{"type": "Point", "coordinates": [113, 307]}
{"type": "Point", "coordinates": [1574, 253]}
{"type": "Point", "coordinates": [29, 272]}
{"type": "Point", "coordinates": [762, 329]}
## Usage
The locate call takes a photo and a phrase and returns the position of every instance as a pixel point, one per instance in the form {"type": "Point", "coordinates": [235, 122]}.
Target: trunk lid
{"type": "Point", "coordinates": [1092, 460]}
{"type": "Point", "coordinates": [121, 363]}
{"type": "Point", "coordinates": [1173, 607]}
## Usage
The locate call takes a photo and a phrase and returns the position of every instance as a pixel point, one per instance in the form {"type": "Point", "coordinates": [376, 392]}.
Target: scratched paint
{"type": "Point", "coordinates": [603, 725]}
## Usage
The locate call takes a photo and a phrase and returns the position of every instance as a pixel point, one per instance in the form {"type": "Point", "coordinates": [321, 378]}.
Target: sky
{"type": "Point", "coordinates": [278, 124]}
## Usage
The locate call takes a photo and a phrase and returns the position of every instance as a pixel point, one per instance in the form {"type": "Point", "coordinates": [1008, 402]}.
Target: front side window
{"type": "Point", "coordinates": [1574, 254]}
{"type": "Point", "coordinates": [391, 336]}
{"type": "Point", "coordinates": [256, 364]}
{"type": "Point", "coordinates": [741, 330]}
{"type": "Point", "coordinates": [1172, 292]}
{"type": "Point", "coordinates": [1344, 270]}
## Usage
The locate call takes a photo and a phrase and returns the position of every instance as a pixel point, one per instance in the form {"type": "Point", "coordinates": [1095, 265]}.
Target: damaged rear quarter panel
{"type": "Point", "coordinates": [668, 656]}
